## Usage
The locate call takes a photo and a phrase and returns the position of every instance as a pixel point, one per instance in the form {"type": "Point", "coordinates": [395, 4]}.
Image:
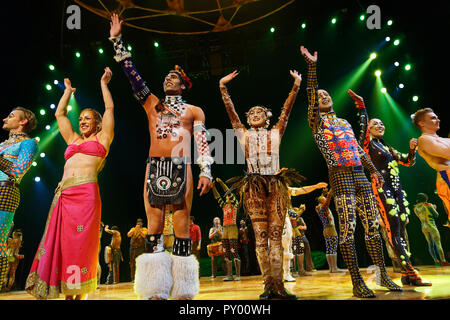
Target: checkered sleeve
{"type": "Point", "coordinates": [5, 164]}
{"type": "Point", "coordinates": [28, 149]}
{"type": "Point", "coordinates": [140, 90]}
{"type": "Point", "coordinates": [406, 160]}
{"type": "Point", "coordinates": [311, 89]}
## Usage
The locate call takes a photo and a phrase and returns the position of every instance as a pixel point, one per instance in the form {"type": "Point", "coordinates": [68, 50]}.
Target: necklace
{"type": "Point", "coordinates": [174, 105]}
{"type": "Point", "coordinates": [15, 137]}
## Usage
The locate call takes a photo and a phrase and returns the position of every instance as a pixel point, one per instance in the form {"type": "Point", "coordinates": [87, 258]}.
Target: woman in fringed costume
{"type": "Point", "coordinates": [265, 185]}
{"type": "Point", "coordinates": [67, 257]}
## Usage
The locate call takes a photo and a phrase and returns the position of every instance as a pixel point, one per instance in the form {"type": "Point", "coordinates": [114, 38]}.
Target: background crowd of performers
{"type": "Point", "coordinates": [164, 256]}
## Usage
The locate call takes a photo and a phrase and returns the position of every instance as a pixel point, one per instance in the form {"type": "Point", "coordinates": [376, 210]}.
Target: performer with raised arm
{"type": "Point", "coordinates": [265, 185]}
{"type": "Point", "coordinates": [16, 156]}
{"type": "Point", "coordinates": [67, 257]}
{"type": "Point", "coordinates": [436, 152]}
{"type": "Point", "coordinates": [230, 207]}
{"type": "Point", "coordinates": [391, 198]}
{"type": "Point", "coordinates": [345, 160]}
{"type": "Point", "coordinates": [168, 178]}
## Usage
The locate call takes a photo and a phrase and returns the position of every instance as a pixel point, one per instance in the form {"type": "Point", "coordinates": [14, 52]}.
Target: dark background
{"type": "Point", "coordinates": [33, 35]}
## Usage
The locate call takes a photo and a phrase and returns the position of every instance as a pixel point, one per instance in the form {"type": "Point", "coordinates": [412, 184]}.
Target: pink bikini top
{"type": "Point", "coordinates": [92, 148]}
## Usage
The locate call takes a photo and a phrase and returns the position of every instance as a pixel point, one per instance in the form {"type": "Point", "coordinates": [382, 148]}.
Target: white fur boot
{"type": "Point", "coordinates": [186, 284]}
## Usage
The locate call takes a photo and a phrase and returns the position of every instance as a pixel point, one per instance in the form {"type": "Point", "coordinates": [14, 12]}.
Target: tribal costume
{"type": "Point", "coordinates": [391, 199]}
{"type": "Point", "coordinates": [137, 247]}
{"type": "Point", "coordinates": [344, 157]}
{"type": "Point", "coordinates": [264, 190]}
{"type": "Point", "coordinates": [16, 156]}
{"type": "Point", "coordinates": [427, 213]}
{"type": "Point", "coordinates": [158, 273]}
{"type": "Point", "coordinates": [230, 207]}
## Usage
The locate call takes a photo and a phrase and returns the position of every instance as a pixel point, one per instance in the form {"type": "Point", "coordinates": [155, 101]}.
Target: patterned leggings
{"type": "Point", "coordinates": [298, 245]}
{"type": "Point", "coordinates": [331, 244]}
{"type": "Point", "coordinates": [230, 249]}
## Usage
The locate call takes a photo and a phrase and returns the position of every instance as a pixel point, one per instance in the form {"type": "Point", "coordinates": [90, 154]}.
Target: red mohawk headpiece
{"type": "Point", "coordinates": [185, 79]}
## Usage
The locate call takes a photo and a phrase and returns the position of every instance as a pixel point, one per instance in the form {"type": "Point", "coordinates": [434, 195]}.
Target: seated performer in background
{"type": "Point", "coordinates": [71, 236]}
{"type": "Point", "coordinates": [215, 248]}
{"type": "Point", "coordinates": [352, 192]}
{"type": "Point", "coordinates": [16, 157]}
{"type": "Point", "coordinates": [116, 255]}
{"type": "Point", "coordinates": [230, 207]}
{"type": "Point", "coordinates": [168, 178]}
{"type": "Point", "coordinates": [329, 230]}
{"type": "Point", "coordinates": [264, 187]}
{"type": "Point", "coordinates": [391, 199]}
{"type": "Point", "coordinates": [137, 244]}
{"type": "Point", "coordinates": [426, 212]}
{"type": "Point", "coordinates": [436, 152]}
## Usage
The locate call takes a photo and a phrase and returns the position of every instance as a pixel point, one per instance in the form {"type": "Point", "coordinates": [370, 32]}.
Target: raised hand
{"type": "Point", "coordinates": [413, 144]}
{"type": "Point", "coordinates": [68, 86]}
{"type": "Point", "coordinates": [115, 25]}
{"type": "Point", "coordinates": [228, 78]}
{"type": "Point", "coordinates": [355, 96]}
{"type": "Point", "coordinates": [106, 76]}
{"type": "Point", "coordinates": [308, 55]}
{"type": "Point", "coordinates": [321, 185]}
{"type": "Point", "coordinates": [297, 76]}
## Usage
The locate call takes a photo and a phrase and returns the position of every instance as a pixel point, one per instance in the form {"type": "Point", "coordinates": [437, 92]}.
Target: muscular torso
{"type": "Point", "coordinates": [436, 162]}
{"type": "Point", "coordinates": [14, 246]}
{"type": "Point", "coordinates": [116, 240]}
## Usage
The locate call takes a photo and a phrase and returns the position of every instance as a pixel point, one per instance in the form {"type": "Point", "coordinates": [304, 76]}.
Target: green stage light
{"type": "Point", "coordinates": [129, 48]}
{"type": "Point", "coordinates": [42, 155]}
{"type": "Point", "coordinates": [373, 55]}
{"type": "Point", "coordinates": [383, 90]}
{"type": "Point", "coordinates": [51, 67]}
{"type": "Point", "coordinates": [47, 127]}
{"type": "Point", "coordinates": [362, 17]}
{"type": "Point", "coordinates": [37, 139]}
{"type": "Point", "coordinates": [396, 42]}
{"type": "Point", "coordinates": [415, 98]}
{"type": "Point", "coordinates": [77, 54]}
{"type": "Point", "coordinates": [408, 67]}
{"type": "Point", "coordinates": [34, 164]}
{"type": "Point", "coordinates": [378, 73]}
{"type": "Point", "coordinates": [272, 29]}
{"type": "Point", "coordinates": [69, 108]}
{"type": "Point", "coordinates": [303, 25]}
{"type": "Point", "coordinates": [156, 44]}
{"type": "Point", "coordinates": [42, 112]}
{"type": "Point", "coordinates": [100, 51]}
{"type": "Point", "coordinates": [333, 21]}
{"type": "Point", "coordinates": [401, 85]}
{"type": "Point", "coordinates": [390, 22]}
{"type": "Point", "coordinates": [48, 87]}
{"type": "Point", "coordinates": [396, 63]}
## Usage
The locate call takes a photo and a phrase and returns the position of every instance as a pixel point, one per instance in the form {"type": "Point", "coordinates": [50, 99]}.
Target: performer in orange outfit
{"type": "Point", "coordinates": [436, 152]}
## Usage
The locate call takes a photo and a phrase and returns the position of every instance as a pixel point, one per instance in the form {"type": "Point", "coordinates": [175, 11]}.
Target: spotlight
{"type": "Point", "coordinates": [396, 42]}
{"type": "Point", "coordinates": [48, 87]}
{"type": "Point", "coordinates": [303, 25]}
{"type": "Point", "coordinates": [396, 63]}
{"type": "Point", "coordinates": [129, 48]}
{"type": "Point", "coordinates": [272, 29]}
{"type": "Point", "coordinates": [415, 98]}
{"type": "Point", "coordinates": [100, 51]}
{"type": "Point", "coordinates": [401, 85]}
{"type": "Point", "coordinates": [47, 127]}
{"type": "Point", "coordinates": [408, 67]}
{"type": "Point", "coordinates": [37, 139]}
{"type": "Point", "coordinates": [333, 21]}
{"type": "Point", "coordinates": [387, 39]}
{"type": "Point", "coordinates": [37, 179]}
{"type": "Point", "coordinates": [378, 73]}
{"type": "Point", "coordinates": [42, 155]}
{"type": "Point", "coordinates": [51, 67]}
{"type": "Point", "coordinates": [362, 17]}
{"type": "Point", "coordinates": [55, 82]}
{"type": "Point", "coordinates": [69, 108]}
{"type": "Point", "coordinates": [383, 90]}
{"type": "Point", "coordinates": [373, 55]}
{"type": "Point", "coordinates": [390, 22]}
{"type": "Point", "coordinates": [42, 112]}
{"type": "Point", "coordinates": [77, 54]}
{"type": "Point", "coordinates": [52, 106]}
{"type": "Point", "coordinates": [156, 44]}
{"type": "Point", "coordinates": [34, 164]}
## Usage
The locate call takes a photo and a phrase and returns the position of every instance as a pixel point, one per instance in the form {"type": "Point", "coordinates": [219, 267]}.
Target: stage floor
{"type": "Point", "coordinates": [321, 286]}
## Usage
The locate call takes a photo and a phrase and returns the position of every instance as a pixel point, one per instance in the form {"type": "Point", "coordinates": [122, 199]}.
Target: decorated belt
{"type": "Point", "coordinates": [348, 169]}
{"type": "Point", "coordinates": [8, 183]}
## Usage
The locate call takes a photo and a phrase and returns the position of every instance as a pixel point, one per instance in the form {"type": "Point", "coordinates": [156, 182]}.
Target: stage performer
{"type": "Point", "coordinates": [215, 237]}
{"type": "Point", "coordinates": [16, 157]}
{"type": "Point", "coordinates": [391, 198]}
{"type": "Point", "coordinates": [116, 255]}
{"type": "Point", "coordinates": [243, 248]}
{"type": "Point", "coordinates": [66, 259]}
{"type": "Point", "coordinates": [329, 230]}
{"type": "Point", "coordinates": [345, 160]}
{"type": "Point", "coordinates": [14, 245]}
{"type": "Point", "coordinates": [264, 187]}
{"type": "Point", "coordinates": [230, 207]}
{"type": "Point", "coordinates": [168, 178]}
{"type": "Point", "coordinates": [137, 244]}
{"type": "Point", "coordinates": [436, 152]}
{"type": "Point", "coordinates": [426, 212]}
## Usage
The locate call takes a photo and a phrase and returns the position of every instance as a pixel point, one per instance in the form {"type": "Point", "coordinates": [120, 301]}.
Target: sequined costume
{"type": "Point", "coordinates": [391, 198]}
{"type": "Point", "coordinates": [158, 273]}
{"type": "Point", "coordinates": [16, 156]}
{"type": "Point", "coordinates": [426, 212]}
{"type": "Point", "coordinates": [264, 190]}
{"type": "Point", "coordinates": [352, 192]}
{"type": "Point", "coordinates": [230, 207]}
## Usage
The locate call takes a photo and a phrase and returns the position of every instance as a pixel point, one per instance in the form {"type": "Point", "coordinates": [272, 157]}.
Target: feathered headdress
{"type": "Point", "coordinates": [183, 76]}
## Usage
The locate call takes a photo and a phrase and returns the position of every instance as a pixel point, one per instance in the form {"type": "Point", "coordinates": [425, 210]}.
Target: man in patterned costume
{"type": "Point", "coordinates": [168, 178]}
{"type": "Point", "coordinates": [230, 208]}
{"type": "Point", "coordinates": [265, 185]}
{"type": "Point", "coordinates": [345, 160]}
{"type": "Point", "coordinates": [16, 156]}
